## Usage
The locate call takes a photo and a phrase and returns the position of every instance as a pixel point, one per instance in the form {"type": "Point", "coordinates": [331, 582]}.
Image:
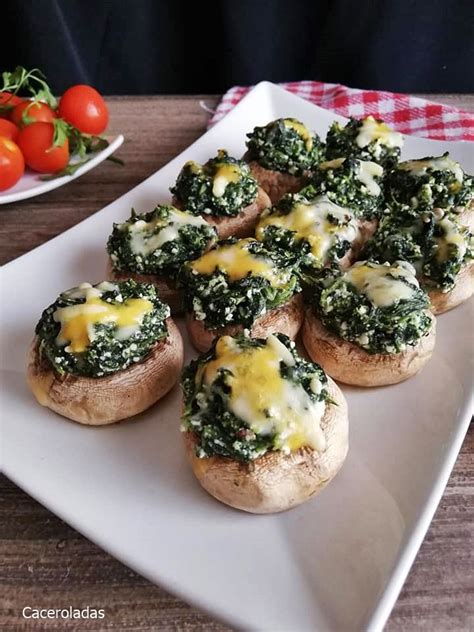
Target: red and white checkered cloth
{"type": "Point", "coordinates": [407, 114]}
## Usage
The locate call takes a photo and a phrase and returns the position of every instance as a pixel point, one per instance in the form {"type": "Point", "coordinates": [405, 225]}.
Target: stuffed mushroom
{"type": "Point", "coordinates": [432, 183]}
{"type": "Point", "coordinates": [241, 285]}
{"type": "Point", "coordinates": [307, 224]}
{"type": "Point", "coordinates": [370, 325]}
{"type": "Point", "coordinates": [264, 429]}
{"type": "Point", "coordinates": [152, 247]}
{"type": "Point", "coordinates": [352, 183]}
{"type": "Point", "coordinates": [224, 192]}
{"type": "Point", "coordinates": [281, 155]}
{"type": "Point", "coordinates": [366, 139]}
{"type": "Point", "coordinates": [104, 352]}
{"type": "Point", "coordinates": [439, 246]}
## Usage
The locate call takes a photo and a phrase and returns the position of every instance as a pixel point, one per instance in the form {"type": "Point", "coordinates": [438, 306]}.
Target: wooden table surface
{"type": "Point", "coordinates": [45, 563]}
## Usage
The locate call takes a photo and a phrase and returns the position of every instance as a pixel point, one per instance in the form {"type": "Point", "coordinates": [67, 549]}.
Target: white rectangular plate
{"type": "Point", "coordinates": [30, 184]}
{"type": "Point", "coordinates": [335, 563]}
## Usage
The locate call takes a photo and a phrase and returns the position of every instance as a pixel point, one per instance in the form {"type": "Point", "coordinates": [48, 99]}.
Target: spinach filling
{"type": "Point", "coordinates": [343, 141]}
{"type": "Point", "coordinates": [220, 301]}
{"type": "Point", "coordinates": [433, 241]}
{"type": "Point", "coordinates": [284, 145]}
{"type": "Point", "coordinates": [106, 351]}
{"type": "Point", "coordinates": [349, 313]}
{"type": "Point", "coordinates": [322, 241]}
{"type": "Point", "coordinates": [207, 413]}
{"type": "Point", "coordinates": [430, 183]}
{"type": "Point", "coordinates": [223, 186]}
{"type": "Point", "coordinates": [158, 242]}
{"type": "Point", "coordinates": [351, 183]}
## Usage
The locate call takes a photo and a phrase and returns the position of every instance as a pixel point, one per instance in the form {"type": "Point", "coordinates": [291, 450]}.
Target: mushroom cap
{"type": "Point", "coordinates": [466, 216]}
{"type": "Point", "coordinates": [241, 225]}
{"type": "Point", "coordinates": [275, 183]}
{"type": "Point", "coordinates": [166, 291]}
{"type": "Point", "coordinates": [350, 364]}
{"type": "Point", "coordinates": [286, 319]}
{"type": "Point", "coordinates": [105, 400]}
{"type": "Point", "coordinates": [463, 289]}
{"type": "Point", "coordinates": [276, 481]}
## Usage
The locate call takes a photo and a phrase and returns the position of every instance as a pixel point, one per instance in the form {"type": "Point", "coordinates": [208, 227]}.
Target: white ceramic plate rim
{"type": "Point", "coordinates": [41, 187]}
{"type": "Point", "coordinates": [406, 556]}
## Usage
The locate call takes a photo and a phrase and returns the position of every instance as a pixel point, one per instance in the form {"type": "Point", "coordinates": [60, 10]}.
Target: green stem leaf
{"type": "Point", "coordinates": [61, 132]}
{"type": "Point", "coordinates": [31, 81]}
{"type": "Point", "coordinates": [67, 171]}
{"type": "Point", "coordinates": [117, 161]}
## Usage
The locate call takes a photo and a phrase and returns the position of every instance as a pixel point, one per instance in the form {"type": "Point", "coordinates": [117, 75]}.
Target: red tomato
{"type": "Point", "coordinates": [39, 112]}
{"type": "Point", "coordinates": [8, 129]}
{"type": "Point", "coordinates": [36, 143]}
{"type": "Point", "coordinates": [10, 100]}
{"type": "Point", "coordinates": [83, 107]}
{"type": "Point", "coordinates": [12, 165]}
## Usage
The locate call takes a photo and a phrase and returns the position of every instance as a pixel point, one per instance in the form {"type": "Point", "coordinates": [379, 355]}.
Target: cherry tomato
{"type": "Point", "coordinates": [83, 107]}
{"type": "Point", "coordinates": [9, 100]}
{"type": "Point", "coordinates": [8, 129]}
{"type": "Point", "coordinates": [12, 164]}
{"type": "Point", "coordinates": [36, 143]}
{"type": "Point", "coordinates": [38, 112]}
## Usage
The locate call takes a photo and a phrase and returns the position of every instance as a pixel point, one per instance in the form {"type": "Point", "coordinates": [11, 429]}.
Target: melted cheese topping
{"type": "Point", "coordinates": [194, 167]}
{"type": "Point", "coordinates": [310, 222]}
{"type": "Point", "coordinates": [86, 289]}
{"type": "Point", "coordinates": [224, 174]}
{"type": "Point", "coordinates": [237, 262]}
{"type": "Point", "coordinates": [451, 236]}
{"type": "Point", "coordinates": [371, 130]}
{"type": "Point", "coordinates": [78, 321]}
{"type": "Point", "coordinates": [374, 281]}
{"type": "Point", "coordinates": [367, 172]}
{"type": "Point", "coordinates": [301, 130]}
{"type": "Point", "coordinates": [263, 399]}
{"type": "Point", "coordinates": [144, 238]}
{"type": "Point", "coordinates": [331, 164]}
{"type": "Point", "coordinates": [442, 163]}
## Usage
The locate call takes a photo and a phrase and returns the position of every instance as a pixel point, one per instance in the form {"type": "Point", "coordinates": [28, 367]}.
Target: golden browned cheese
{"type": "Point", "coordinates": [105, 400]}
{"type": "Point", "coordinates": [302, 130]}
{"type": "Point", "coordinates": [237, 261]}
{"type": "Point", "coordinates": [78, 321]}
{"type": "Point", "coordinates": [371, 129]}
{"type": "Point", "coordinates": [257, 386]}
{"type": "Point", "coordinates": [350, 364]}
{"type": "Point", "coordinates": [309, 222]}
{"type": "Point", "coordinates": [276, 481]}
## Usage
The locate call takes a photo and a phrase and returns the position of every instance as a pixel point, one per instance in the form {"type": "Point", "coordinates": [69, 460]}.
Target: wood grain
{"type": "Point", "coordinates": [155, 130]}
{"type": "Point", "coordinates": [45, 563]}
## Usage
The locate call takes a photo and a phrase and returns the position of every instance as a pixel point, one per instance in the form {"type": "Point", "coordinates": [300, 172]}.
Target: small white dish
{"type": "Point", "coordinates": [335, 563]}
{"type": "Point", "coordinates": [30, 185]}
